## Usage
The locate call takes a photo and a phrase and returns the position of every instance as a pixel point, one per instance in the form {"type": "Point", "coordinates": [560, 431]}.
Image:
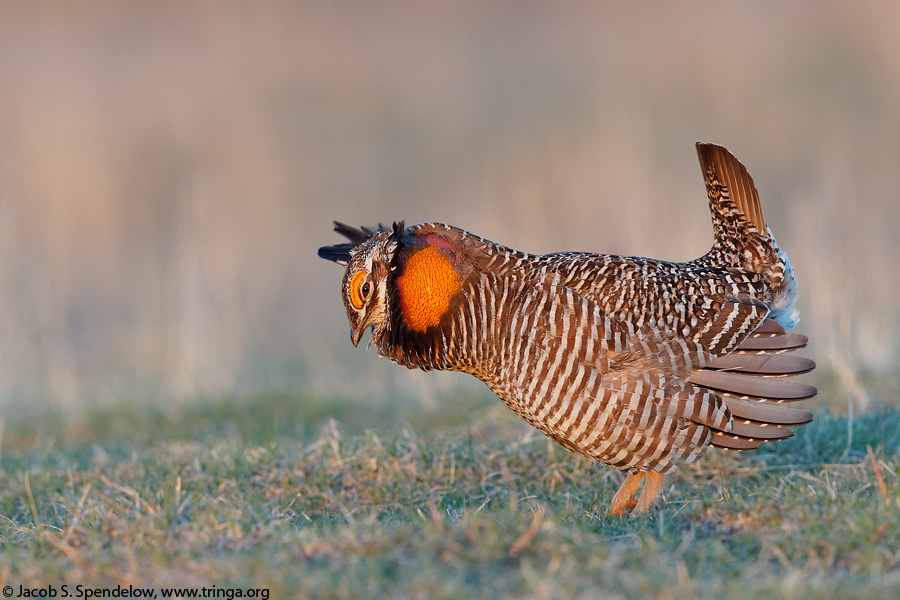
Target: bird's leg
{"type": "Point", "coordinates": [650, 492]}
{"type": "Point", "coordinates": [623, 502]}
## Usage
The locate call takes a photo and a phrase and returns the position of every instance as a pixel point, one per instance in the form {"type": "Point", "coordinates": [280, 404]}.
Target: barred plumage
{"type": "Point", "coordinates": [636, 363]}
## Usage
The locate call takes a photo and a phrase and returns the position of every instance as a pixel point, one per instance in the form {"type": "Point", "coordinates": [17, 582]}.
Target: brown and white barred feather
{"type": "Point", "coordinates": [636, 363]}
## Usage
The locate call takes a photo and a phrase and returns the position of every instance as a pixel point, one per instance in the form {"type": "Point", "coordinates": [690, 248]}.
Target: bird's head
{"type": "Point", "coordinates": [397, 278]}
{"type": "Point", "coordinates": [365, 286]}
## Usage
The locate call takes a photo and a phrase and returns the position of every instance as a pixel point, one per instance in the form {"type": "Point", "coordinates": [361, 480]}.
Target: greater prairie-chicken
{"type": "Point", "coordinates": [635, 363]}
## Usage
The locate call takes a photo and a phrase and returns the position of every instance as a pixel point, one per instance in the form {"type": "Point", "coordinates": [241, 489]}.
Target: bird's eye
{"type": "Point", "coordinates": [359, 289]}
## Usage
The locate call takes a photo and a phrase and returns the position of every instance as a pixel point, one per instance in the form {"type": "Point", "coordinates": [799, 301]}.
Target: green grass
{"type": "Point", "coordinates": [459, 502]}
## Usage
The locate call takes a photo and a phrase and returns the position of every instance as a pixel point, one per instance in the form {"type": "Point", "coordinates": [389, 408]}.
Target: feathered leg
{"type": "Point", "coordinates": [650, 492]}
{"type": "Point", "coordinates": [623, 502]}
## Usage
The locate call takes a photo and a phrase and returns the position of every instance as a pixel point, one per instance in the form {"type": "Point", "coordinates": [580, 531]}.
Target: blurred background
{"type": "Point", "coordinates": [168, 170]}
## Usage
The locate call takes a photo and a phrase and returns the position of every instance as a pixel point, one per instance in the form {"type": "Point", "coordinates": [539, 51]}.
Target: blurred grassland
{"type": "Point", "coordinates": [167, 171]}
{"type": "Point", "coordinates": [450, 503]}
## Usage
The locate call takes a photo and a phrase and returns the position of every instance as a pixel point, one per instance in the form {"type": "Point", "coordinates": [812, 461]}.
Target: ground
{"type": "Point", "coordinates": [327, 499]}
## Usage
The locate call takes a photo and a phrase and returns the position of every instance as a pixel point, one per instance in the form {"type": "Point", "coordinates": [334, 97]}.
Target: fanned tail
{"type": "Point", "coordinates": [741, 235]}
{"type": "Point", "coordinates": [733, 199]}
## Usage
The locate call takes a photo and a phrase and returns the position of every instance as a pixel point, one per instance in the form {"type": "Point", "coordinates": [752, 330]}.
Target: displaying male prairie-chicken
{"type": "Point", "coordinates": [635, 363]}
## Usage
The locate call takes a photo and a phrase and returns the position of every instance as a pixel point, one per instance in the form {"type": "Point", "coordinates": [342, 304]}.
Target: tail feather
{"type": "Point", "coordinates": [742, 236]}
{"type": "Point", "coordinates": [730, 190]}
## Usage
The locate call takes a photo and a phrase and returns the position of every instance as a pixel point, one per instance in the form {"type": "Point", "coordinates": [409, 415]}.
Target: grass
{"type": "Point", "coordinates": [333, 500]}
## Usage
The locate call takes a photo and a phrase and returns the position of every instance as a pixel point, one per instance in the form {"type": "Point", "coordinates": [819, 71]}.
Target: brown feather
{"type": "Point", "coordinates": [733, 442]}
{"type": "Point", "coordinates": [719, 166]}
{"type": "Point", "coordinates": [770, 326]}
{"type": "Point", "coordinates": [773, 343]}
{"type": "Point", "coordinates": [766, 413]}
{"type": "Point", "coordinates": [767, 388]}
{"type": "Point", "coordinates": [750, 429]}
{"type": "Point", "coordinates": [764, 364]}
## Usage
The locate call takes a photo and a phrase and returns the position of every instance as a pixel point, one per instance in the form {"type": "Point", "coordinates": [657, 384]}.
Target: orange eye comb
{"type": "Point", "coordinates": [355, 299]}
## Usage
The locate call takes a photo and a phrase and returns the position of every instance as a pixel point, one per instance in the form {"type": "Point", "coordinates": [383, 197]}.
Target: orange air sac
{"type": "Point", "coordinates": [426, 286]}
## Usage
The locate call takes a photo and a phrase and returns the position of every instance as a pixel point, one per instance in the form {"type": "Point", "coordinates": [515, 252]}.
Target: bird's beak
{"type": "Point", "coordinates": [356, 334]}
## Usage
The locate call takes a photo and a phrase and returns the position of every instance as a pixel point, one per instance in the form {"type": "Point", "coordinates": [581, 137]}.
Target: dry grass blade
{"type": "Point", "coordinates": [877, 469]}
{"type": "Point", "coordinates": [522, 541]}
{"type": "Point", "coordinates": [69, 551]}
{"type": "Point", "coordinates": [136, 497]}
{"type": "Point", "coordinates": [34, 511]}
{"type": "Point", "coordinates": [880, 531]}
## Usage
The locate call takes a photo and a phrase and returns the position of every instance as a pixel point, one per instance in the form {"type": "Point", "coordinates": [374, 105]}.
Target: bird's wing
{"type": "Point", "coordinates": [656, 413]}
{"type": "Point", "coordinates": [738, 355]}
{"type": "Point", "coordinates": [746, 354]}
{"type": "Point", "coordinates": [613, 392]}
